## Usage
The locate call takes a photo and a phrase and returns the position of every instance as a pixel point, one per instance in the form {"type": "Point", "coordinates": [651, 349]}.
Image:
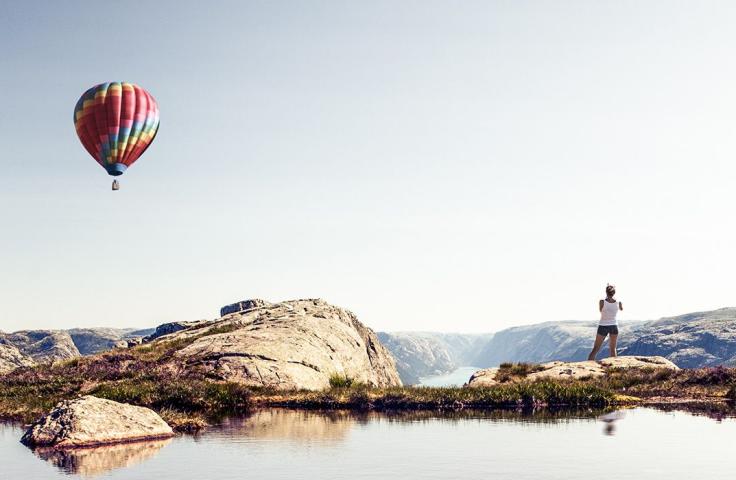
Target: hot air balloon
{"type": "Point", "coordinates": [116, 122]}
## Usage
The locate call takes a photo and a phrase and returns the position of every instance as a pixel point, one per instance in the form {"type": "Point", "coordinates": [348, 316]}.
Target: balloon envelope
{"type": "Point", "coordinates": [116, 122]}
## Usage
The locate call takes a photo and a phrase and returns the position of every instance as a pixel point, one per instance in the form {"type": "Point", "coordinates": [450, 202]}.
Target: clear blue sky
{"type": "Point", "coordinates": [456, 166]}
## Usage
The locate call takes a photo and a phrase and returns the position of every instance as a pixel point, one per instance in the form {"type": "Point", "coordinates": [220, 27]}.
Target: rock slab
{"type": "Point", "coordinates": [90, 421]}
{"type": "Point", "coordinates": [575, 370]}
{"type": "Point", "coordinates": [297, 344]}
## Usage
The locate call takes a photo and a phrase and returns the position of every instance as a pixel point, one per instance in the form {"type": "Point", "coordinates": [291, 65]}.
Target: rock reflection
{"type": "Point", "coordinates": [93, 461]}
{"type": "Point", "coordinates": [295, 425]}
{"type": "Point", "coordinates": [335, 425]}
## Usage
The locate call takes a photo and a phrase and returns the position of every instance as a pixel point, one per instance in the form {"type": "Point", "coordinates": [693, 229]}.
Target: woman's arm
{"type": "Point", "coordinates": [600, 306]}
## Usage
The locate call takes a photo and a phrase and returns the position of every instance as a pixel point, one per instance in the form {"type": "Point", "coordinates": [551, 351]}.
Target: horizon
{"type": "Point", "coordinates": [419, 164]}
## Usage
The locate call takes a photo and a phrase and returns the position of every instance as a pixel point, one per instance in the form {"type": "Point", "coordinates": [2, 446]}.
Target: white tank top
{"type": "Point", "coordinates": [608, 314]}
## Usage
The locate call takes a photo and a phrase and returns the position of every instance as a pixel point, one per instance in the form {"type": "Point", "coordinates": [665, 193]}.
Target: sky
{"type": "Point", "coordinates": [429, 165]}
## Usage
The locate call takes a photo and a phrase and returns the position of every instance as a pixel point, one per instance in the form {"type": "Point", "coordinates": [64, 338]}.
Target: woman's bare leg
{"type": "Point", "coordinates": [612, 344]}
{"type": "Point", "coordinates": [596, 346]}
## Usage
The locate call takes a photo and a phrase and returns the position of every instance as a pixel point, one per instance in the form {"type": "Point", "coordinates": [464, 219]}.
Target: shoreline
{"type": "Point", "coordinates": [429, 400]}
{"type": "Point", "coordinates": [715, 408]}
{"type": "Point", "coordinates": [188, 399]}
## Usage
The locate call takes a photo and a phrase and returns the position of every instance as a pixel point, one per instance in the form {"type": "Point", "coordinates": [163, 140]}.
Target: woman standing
{"type": "Point", "coordinates": [608, 324]}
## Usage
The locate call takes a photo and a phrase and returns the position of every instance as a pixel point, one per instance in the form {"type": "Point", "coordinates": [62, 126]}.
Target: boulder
{"type": "Point", "coordinates": [573, 370]}
{"type": "Point", "coordinates": [290, 345]}
{"type": "Point", "coordinates": [242, 306]}
{"type": "Point", "coordinates": [169, 328]}
{"type": "Point", "coordinates": [11, 358]}
{"type": "Point", "coordinates": [90, 421]}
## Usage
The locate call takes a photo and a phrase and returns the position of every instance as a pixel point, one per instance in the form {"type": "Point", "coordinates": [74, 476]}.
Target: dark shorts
{"type": "Point", "coordinates": [604, 330]}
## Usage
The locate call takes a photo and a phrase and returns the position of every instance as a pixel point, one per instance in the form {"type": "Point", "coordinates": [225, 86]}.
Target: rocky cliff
{"type": "Point", "coordinates": [42, 345]}
{"type": "Point", "coordinates": [95, 340]}
{"type": "Point", "coordinates": [700, 339]}
{"type": "Point", "coordinates": [287, 345]}
{"type": "Point", "coordinates": [544, 342]}
{"type": "Point", "coordinates": [420, 354]}
{"type": "Point", "coordinates": [692, 340]}
{"type": "Point", "coordinates": [697, 339]}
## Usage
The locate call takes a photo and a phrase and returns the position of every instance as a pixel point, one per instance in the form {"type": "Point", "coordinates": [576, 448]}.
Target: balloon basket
{"type": "Point", "coordinates": [115, 185]}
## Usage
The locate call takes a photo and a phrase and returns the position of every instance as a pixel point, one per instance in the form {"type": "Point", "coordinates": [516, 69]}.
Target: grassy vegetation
{"type": "Point", "coordinates": [343, 381]}
{"type": "Point", "coordinates": [526, 394]}
{"type": "Point", "coordinates": [141, 376]}
{"type": "Point", "coordinates": [188, 398]}
{"type": "Point", "coordinates": [688, 384]}
{"type": "Point", "coordinates": [516, 371]}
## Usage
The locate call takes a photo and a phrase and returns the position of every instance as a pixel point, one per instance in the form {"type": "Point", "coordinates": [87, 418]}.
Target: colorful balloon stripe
{"type": "Point", "coordinates": [116, 122]}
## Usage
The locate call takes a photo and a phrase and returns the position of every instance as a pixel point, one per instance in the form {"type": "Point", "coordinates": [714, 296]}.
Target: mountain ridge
{"type": "Point", "coordinates": [695, 339]}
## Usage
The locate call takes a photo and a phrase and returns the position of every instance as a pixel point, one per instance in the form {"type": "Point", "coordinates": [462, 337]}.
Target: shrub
{"type": "Point", "coordinates": [342, 381]}
{"type": "Point", "coordinates": [509, 371]}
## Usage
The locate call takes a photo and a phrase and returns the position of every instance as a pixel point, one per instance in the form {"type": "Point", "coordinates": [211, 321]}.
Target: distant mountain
{"type": "Point", "coordinates": [700, 339]}
{"type": "Point", "coordinates": [94, 340]}
{"type": "Point", "coordinates": [420, 354]}
{"type": "Point", "coordinates": [40, 346]}
{"type": "Point", "coordinates": [544, 342]}
{"type": "Point", "coordinates": [693, 340]}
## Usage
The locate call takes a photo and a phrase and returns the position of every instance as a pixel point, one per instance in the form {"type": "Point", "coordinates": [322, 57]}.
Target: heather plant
{"type": "Point", "coordinates": [514, 371]}
{"type": "Point", "coordinates": [719, 375]}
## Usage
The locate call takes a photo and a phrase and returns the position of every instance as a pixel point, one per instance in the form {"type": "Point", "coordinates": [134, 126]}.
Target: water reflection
{"type": "Point", "coordinates": [331, 426]}
{"type": "Point", "coordinates": [610, 420]}
{"type": "Point", "coordinates": [718, 411]}
{"type": "Point", "coordinates": [280, 424]}
{"type": "Point", "coordinates": [294, 426]}
{"type": "Point", "coordinates": [90, 462]}
{"type": "Point", "coordinates": [524, 444]}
